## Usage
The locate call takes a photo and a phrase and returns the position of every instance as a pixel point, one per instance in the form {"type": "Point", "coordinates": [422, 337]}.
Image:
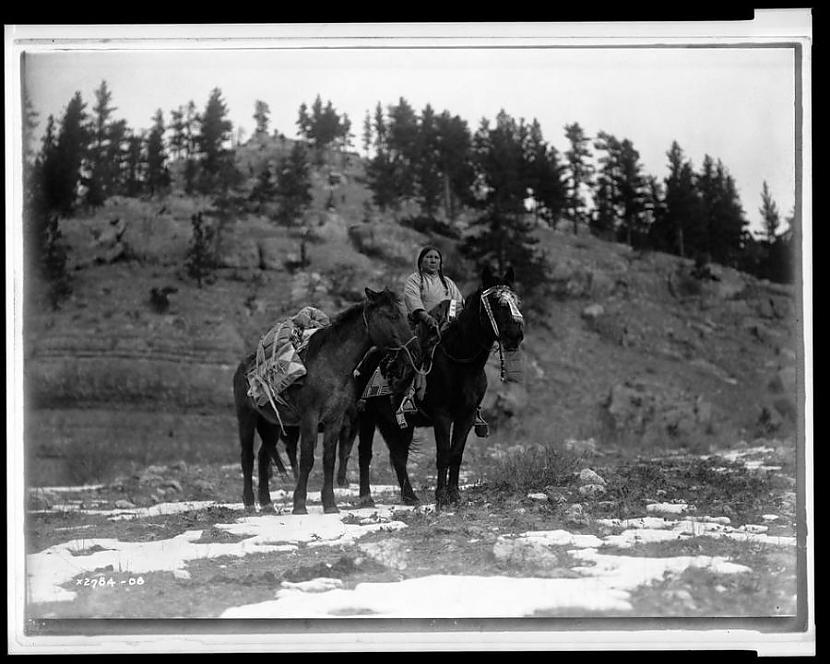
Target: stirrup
{"type": "Point", "coordinates": [481, 427]}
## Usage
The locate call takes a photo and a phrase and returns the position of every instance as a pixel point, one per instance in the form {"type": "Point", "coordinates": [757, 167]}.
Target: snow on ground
{"type": "Point", "coordinates": [654, 529]}
{"type": "Point", "coordinates": [606, 581]}
{"type": "Point", "coordinates": [441, 596]}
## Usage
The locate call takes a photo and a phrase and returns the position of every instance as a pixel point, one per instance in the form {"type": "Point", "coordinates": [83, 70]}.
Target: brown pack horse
{"type": "Point", "coordinates": [324, 400]}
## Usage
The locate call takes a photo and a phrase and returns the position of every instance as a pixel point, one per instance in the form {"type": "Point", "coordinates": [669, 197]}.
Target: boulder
{"type": "Point", "coordinates": [593, 311]}
{"type": "Point", "coordinates": [588, 476]}
{"type": "Point", "coordinates": [657, 413]}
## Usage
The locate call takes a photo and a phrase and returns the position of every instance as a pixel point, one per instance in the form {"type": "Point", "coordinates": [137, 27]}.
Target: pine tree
{"type": "Point", "coordinates": [99, 182]}
{"type": "Point", "coordinates": [502, 234]}
{"type": "Point", "coordinates": [293, 186]}
{"type": "Point", "coordinates": [380, 171]}
{"type": "Point", "coordinates": [200, 260]}
{"type": "Point", "coordinates": [722, 214]}
{"type": "Point", "coordinates": [680, 226]}
{"type": "Point", "coordinates": [622, 190]}
{"type": "Point", "coordinates": [367, 134]}
{"type": "Point", "coordinates": [543, 175]}
{"type": "Point", "coordinates": [54, 263]}
{"type": "Point", "coordinates": [217, 169]}
{"type": "Point", "coordinates": [454, 154]}
{"type": "Point", "coordinates": [769, 215]}
{"type": "Point", "coordinates": [134, 175]}
{"type": "Point", "coordinates": [68, 157]}
{"type": "Point", "coordinates": [579, 174]}
{"type": "Point", "coordinates": [402, 146]}
{"type": "Point", "coordinates": [158, 176]}
{"type": "Point", "coordinates": [261, 117]}
{"type": "Point", "coordinates": [427, 168]}
{"type": "Point", "coordinates": [265, 189]}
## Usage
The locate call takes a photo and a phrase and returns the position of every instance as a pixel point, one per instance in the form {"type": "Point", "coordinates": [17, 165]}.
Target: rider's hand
{"type": "Point", "coordinates": [429, 321]}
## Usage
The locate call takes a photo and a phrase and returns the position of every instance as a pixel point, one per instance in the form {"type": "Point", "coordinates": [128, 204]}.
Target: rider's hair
{"type": "Point", "coordinates": [421, 255]}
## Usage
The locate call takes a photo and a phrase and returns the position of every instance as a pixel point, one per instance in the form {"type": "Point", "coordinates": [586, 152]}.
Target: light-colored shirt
{"type": "Point", "coordinates": [432, 293]}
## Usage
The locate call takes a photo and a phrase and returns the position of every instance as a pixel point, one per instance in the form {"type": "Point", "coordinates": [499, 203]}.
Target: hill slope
{"type": "Point", "coordinates": [632, 350]}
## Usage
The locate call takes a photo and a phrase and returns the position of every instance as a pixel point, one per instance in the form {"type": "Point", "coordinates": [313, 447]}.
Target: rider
{"type": "Point", "coordinates": [427, 287]}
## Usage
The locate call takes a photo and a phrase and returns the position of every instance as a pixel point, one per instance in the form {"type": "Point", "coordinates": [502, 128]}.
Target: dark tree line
{"type": "Point", "coordinates": [505, 177]}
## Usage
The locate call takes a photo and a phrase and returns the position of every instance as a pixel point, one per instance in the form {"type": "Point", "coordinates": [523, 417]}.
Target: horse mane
{"type": "Point", "coordinates": [340, 320]}
{"type": "Point", "coordinates": [344, 318]}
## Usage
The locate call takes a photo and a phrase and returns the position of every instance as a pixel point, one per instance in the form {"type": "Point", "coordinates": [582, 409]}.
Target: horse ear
{"type": "Point", "coordinates": [487, 278]}
{"type": "Point", "coordinates": [509, 276]}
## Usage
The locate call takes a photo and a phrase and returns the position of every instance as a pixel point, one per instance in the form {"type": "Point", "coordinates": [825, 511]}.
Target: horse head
{"type": "Point", "coordinates": [388, 329]}
{"type": "Point", "coordinates": [500, 305]}
{"type": "Point", "coordinates": [384, 318]}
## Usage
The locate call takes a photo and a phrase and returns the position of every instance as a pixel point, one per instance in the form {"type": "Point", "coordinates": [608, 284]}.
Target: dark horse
{"type": "Point", "coordinates": [397, 366]}
{"type": "Point", "coordinates": [455, 385]}
{"type": "Point", "coordinates": [324, 398]}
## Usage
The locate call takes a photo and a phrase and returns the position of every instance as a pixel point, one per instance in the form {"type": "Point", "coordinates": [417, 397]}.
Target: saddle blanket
{"type": "Point", "coordinates": [378, 386]}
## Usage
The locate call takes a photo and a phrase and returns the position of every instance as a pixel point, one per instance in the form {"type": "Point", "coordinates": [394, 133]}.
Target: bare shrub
{"type": "Point", "coordinates": [532, 468]}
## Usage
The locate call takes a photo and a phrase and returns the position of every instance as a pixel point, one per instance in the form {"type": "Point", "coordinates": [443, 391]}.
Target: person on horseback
{"type": "Point", "coordinates": [426, 288]}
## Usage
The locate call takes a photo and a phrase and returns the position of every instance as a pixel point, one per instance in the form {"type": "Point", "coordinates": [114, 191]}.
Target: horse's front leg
{"type": "Point", "coordinates": [460, 432]}
{"type": "Point", "coordinates": [246, 421]}
{"type": "Point", "coordinates": [345, 444]}
{"type": "Point", "coordinates": [291, 438]}
{"type": "Point", "coordinates": [366, 431]}
{"type": "Point", "coordinates": [308, 441]}
{"type": "Point", "coordinates": [331, 437]}
{"type": "Point", "coordinates": [399, 442]}
{"type": "Point", "coordinates": [441, 426]}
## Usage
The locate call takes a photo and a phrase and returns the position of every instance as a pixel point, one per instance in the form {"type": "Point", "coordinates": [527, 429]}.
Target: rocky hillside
{"type": "Point", "coordinates": [631, 350]}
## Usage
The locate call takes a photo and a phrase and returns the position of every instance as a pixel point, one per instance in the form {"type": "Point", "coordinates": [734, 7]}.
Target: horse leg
{"type": "Point", "coordinates": [441, 426]}
{"type": "Point", "coordinates": [308, 441]}
{"type": "Point", "coordinates": [347, 436]}
{"type": "Point", "coordinates": [460, 432]}
{"type": "Point", "coordinates": [268, 449]}
{"type": "Point", "coordinates": [291, 438]}
{"type": "Point", "coordinates": [399, 441]}
{"type": "Point", "coordinates": [331, 437]}
{"type": "Point", "coordinates": [246, 420]}
{"type": "Point", "coordinates": [366, 431]}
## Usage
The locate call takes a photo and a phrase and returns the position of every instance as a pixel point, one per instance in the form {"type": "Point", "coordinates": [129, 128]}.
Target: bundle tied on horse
{"type": "Point", "coordinates": [326, 397]}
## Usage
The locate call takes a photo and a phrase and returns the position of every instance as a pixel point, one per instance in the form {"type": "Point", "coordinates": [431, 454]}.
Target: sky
{"type": "Point", "coordinates": [736, 104]}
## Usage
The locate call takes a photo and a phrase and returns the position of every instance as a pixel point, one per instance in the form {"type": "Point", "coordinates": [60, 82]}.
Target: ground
{"type": "Point", "coordinates": [651, 536]}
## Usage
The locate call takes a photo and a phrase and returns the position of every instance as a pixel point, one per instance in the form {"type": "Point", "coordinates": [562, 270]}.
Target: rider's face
{"type": "Point", "coordinates": [431, 262]}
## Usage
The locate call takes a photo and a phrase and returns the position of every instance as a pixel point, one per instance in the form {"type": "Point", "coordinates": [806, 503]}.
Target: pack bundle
{"type": "Point", "coordinates": [278, 361]}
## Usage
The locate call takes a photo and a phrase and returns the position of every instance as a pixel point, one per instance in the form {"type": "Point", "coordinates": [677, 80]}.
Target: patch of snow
{"type": "Point", "coordinates": [443, 596]}
{"type": "Point", "coordinates": [769, 517]}
{"type": "Point", "coordinates": [319, 585]}
{"type": "Point", "coordinates": [65, 489]}
{"type": "Point", "coordinates": [537, 496]}
{"type": "Point", "coordinates": [51, 568]}
{"type": "Point", "coordinates": [559, 538]}
{"type": "Point", "coordinates": [640, 531]}
{"type": "Point", "coordinates": [668, 508]}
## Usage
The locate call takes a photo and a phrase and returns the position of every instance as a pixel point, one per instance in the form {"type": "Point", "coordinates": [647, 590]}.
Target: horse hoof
{"type": "Point", "coordinates": [299, 510]}
{"type": "Point", "coordinates": [365, 501]}
{"type": "Point", "coordinates": [250, 509]}
{"type": "Point", "coordinates": [331, 509]}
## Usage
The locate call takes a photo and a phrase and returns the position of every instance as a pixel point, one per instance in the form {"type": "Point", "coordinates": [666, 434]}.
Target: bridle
{"type": "Point", "coordinates": [505, 294]}
{"type": "Point", "coordinates": [401, 347]}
